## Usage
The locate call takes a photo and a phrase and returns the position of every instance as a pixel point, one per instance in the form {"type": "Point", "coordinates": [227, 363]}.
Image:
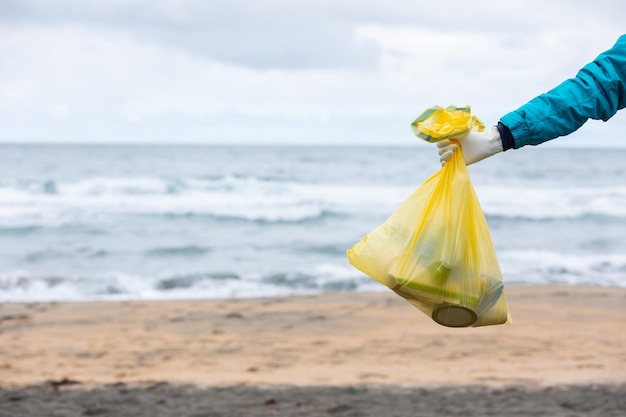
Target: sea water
{"type": "Point", "coordinates": [157, 222]}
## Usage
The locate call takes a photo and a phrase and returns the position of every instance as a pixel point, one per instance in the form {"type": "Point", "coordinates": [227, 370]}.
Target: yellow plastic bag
{"type": "Point", "coordinates": [436, 251]}
{"type": "Point", "coordinates": [437, 123]}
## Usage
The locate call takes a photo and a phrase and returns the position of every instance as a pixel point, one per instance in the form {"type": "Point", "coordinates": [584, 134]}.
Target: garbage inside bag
{"type": "Point", "coordinates": [437, 123]}
{"type": "Point", "coordinates": [436, 251]}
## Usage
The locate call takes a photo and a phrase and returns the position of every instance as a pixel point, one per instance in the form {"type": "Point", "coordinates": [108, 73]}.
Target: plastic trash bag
{"type": "Point", "coordinates": [437, 123]}
{"type": "Point", "coordinates": [436, 251]}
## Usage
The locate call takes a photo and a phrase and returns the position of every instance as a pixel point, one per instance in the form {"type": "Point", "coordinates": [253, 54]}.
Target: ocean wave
{"type": "Point", "coordinates": [228, 198]}
{"type": "Point", "coordinates": [552, 203]}
{"type": "Point", "coordinates": [300, 215]}
{"type": "Point", "coordinates": [322, 249]}
{"type": "Point", "coordinates": [578, 217]}
{"type": "Point", "coordinates": [25, 205]}
{"type": "Point", "coordinates": [525, 267]}
{"type": "Point", "coordinates": [11, 229]}
{"type": "Point", "coordinates": [100, 186]}
{"type": "Point", "coordinates": [188, 250]}
{"type": "Point", "coordinates": [26, 286]}
{"type": "Point", "coordinates": [548, 267]}
{"type": "Point", "coordinates": [189, 280]}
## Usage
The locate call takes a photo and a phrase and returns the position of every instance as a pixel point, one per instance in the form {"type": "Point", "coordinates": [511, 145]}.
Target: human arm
{"type": "Point", "coordinates": [597, 92]}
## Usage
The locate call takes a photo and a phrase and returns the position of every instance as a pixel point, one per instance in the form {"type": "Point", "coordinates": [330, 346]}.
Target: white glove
{"type": "Point", "coordinates": [476, 146]}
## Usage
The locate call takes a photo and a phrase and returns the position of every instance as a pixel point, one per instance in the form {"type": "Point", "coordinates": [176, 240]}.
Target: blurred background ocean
{"type": "Point", "coordinates": [84, 222]}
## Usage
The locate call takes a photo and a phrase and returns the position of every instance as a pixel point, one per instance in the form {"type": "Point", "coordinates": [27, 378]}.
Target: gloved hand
{"type": "Point", "coordinates": [476, 146]}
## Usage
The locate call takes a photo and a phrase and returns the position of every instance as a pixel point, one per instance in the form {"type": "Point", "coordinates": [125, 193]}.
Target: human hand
{"type": "Point", "coordinates": [476, 146]}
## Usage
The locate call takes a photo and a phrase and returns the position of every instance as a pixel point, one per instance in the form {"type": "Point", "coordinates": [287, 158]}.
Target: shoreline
{"type": "Point", "coordinates": [560, 336]}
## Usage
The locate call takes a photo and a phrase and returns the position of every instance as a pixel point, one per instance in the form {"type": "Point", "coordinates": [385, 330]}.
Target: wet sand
{"type": "Point", "coordinates": [369, 354]}
{"type": "Point", "coordinates": [168, 400]}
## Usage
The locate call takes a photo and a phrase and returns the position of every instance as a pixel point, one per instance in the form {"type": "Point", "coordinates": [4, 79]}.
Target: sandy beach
{"type": "Point", "coordinates": [369, 354]}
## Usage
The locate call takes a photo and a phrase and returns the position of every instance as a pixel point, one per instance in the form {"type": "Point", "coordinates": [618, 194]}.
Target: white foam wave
{"type": "Point", "coordinates": [229, 197]}
{"type": "Point", "coordinates": [552, 203]}
{"type": "Point", "coordinates": [527, 267]}
{"type": "Point", "coordinates": [24, 286]}
{"type": "Point", "coordinates": [547, 267]}
{"type": "Point", "coordinates": [25, 204]}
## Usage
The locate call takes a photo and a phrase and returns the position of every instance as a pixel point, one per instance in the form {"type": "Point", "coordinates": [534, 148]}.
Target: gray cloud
{"type": "Point", "coordinates": [254, 34]}
{"type": "Point", "coordinates": [300, 34]}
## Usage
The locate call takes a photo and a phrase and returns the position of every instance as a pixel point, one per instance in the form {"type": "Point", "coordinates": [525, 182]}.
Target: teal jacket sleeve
{"type": "Point", "coordinates": [597, 92]}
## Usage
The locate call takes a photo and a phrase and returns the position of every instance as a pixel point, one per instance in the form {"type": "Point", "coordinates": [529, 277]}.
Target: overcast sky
{"type": "Point", "coordinates": [285, 71]}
